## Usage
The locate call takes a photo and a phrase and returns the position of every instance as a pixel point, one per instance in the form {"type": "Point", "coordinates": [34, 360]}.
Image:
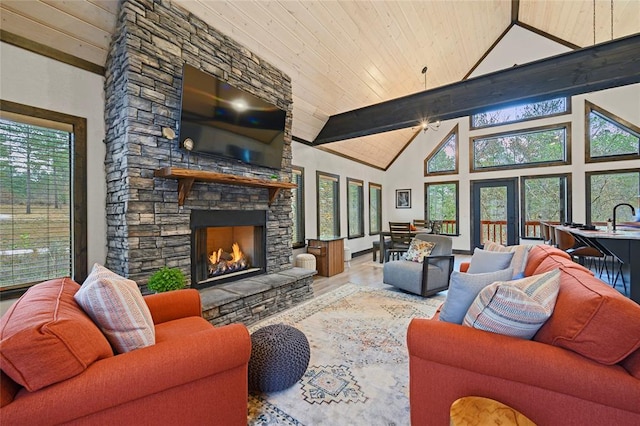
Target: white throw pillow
{"type": "Point", "coordinates": [463, 289]}
{"type": "Point", "coordinates": [117, 307]}
{"type": "Point", "coordinates": [515, 308]}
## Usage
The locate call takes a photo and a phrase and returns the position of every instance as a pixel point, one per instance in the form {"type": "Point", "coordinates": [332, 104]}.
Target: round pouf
{"type": "Point", "coordinates": [306, 260]}
{"type": "Point", "coordinates": [279, 357]}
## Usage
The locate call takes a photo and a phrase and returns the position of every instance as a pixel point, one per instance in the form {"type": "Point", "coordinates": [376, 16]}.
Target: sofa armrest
{"type": "Point", "coordinates": [526, 362]}
{"type": "Point", "coordinates": [132, 376]}
{"type": "Point", "coordinates": [175, 304]}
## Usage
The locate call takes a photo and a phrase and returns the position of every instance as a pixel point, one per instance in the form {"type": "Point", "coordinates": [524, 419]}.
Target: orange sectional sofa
{"type": "Point", "coordinates": [57, 367]}
{"type": "Point", "coordinates": [581, 368]}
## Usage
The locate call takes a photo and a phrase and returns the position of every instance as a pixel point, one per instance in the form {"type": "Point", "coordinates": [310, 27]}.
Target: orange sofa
{"type": "Point", "coordinates": [581, 368]}
{"type": "Point", "coordinates": [194, 374]}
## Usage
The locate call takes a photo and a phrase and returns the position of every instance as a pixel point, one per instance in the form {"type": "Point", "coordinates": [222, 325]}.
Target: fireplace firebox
{"type": "Point", "coordinates": [227, 245]}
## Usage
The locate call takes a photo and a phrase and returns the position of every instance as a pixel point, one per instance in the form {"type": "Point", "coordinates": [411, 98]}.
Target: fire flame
{"type": "Point", "coordinates": [221, 262]}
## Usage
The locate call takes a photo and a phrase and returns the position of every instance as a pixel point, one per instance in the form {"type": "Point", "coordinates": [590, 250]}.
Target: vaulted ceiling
{"type": "Point", "coordinates": [340, 55]}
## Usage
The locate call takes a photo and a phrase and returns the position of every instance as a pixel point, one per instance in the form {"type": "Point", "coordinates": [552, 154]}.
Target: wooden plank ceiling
{"type": "Point", "coordinates": [340, 55]}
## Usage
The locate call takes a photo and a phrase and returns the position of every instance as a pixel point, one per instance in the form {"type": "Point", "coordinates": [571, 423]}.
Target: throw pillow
{"type": "Point", "coordinates": [463, 289]}
{"type": "Point", "coordinates": [515, 308]}
{"type": "Point", "coordinates": [116, 305]}
{"type": "Point", "coordinates": [418, 250]}
{"type": "Point", "coordinates": [520, 254]}
{"type": "Point", "coordinates": [489, 261]}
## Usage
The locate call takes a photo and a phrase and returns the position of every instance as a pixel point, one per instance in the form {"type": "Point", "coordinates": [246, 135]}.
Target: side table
{"type": "Point", "coordinates": [476, 411]}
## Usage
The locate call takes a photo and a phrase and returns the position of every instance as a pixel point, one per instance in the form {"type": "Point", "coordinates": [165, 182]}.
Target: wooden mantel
{"type": "Point", "coordinates": [186, 178]}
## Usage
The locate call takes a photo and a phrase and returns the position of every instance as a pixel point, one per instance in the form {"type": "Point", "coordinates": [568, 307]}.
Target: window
{"type": "Point", "coordinates": [297, 207]}
{"type": "Point", "coordinates": [546, 199]}
{"type": "Point", "coordinates": [441, 203]}
{"type": "Point", "coordinates": [523, 112]}
{"type": "Point", "coordinates": [541, 146]}
{"type": "Point", "coordinates": [375, 208]}
{"type": "Point", "coordinates": [355, 208]}
{"type": "Point", "coordinates": [609, 137]}
{"type": "Point", "coordinates": [444, 158]}
{"type": "Point", "coordinates": [42, 197]}
{"type": "Point", "coordinates": [606, 189]}
{"type": "Point", "coordinates": [328, 190]}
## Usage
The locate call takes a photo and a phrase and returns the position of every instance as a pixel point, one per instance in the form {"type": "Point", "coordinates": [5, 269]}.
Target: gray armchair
{"type": "Point", "coordinates": [426, 278]}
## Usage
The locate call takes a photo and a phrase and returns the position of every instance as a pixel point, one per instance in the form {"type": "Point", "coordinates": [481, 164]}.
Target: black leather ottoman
{"type": "Point", "coordinates": [279, 357]}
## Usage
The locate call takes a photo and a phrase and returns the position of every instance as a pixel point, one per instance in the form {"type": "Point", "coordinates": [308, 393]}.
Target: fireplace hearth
{"type": "Point", "coordinates": [227, 245]}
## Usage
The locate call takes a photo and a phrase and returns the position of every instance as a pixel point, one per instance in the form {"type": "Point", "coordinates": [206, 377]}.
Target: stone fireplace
{"type": "Point", "coordinates": [147, 225]}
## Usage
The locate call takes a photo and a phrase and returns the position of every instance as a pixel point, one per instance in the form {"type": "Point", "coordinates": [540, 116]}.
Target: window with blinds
{"type": "Point", "coordinates": [297, 207]}
{"type": "Point", "coordinates": [35, 200]}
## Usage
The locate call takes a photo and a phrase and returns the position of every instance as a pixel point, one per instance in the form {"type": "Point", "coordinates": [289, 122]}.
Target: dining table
{"type": "Point", "coordinates": [623, 243]}
{"type": "Point", "coordinates": [412, 233]}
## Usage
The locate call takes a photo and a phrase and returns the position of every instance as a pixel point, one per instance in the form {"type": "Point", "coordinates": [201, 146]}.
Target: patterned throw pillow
{"type": "Point", "coordinates": [116, 306]}
{"type": "Point", "coordinates": [515, 308]}
{"type": "Point", "coordinates": [520, 254]}
{"type": "Point", "coordinates": [418, 250]}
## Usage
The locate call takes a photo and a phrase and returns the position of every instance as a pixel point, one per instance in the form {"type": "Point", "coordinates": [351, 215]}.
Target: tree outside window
{"type": "Point", "coordinates": [606, 189]}
{"type": "Point", "coordinates": [441, 204]}
{"type": "Point", "coordinates": [375, 208]}
{"type": "Point", "coordinates": [544, 199]}
{"type": "Point", "coordinates": [328, 192]}
{"type": "Point", "coordinates": [355, 207]}
{"type": "Point", "coordinates": [609, 137]}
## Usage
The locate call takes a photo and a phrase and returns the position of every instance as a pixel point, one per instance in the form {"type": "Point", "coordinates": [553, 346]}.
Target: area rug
{"type": "Point", "coordinates": [358, 373]}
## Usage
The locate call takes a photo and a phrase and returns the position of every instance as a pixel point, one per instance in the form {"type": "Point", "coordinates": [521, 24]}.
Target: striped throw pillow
{"type": "Point", "coordinates": [117, 307]}
{"type": "Point", "coordinates": [515, 308]}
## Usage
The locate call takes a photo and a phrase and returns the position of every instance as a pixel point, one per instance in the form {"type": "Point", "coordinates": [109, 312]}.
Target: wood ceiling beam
{"type": "Point", "coordinates": [603, 66]}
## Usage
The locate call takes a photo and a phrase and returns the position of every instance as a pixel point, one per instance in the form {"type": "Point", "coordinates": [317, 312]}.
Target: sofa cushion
{"type": "Point", "coordinates": [592, 319]}
{"type": "Point", "coordinates": [46, 338]}
{"type": "Point", "coordinates": [463, 289]}
{"type": "Point", "coordinates": [118, 308]}
{"type": "Point", "coordinates": [488, 261]}
{"type": "Point", "coordinates": [418, 250]}
{"type": "Point", "coordinates": [520, 253]}
{"type": "Point", "coordinates": [515, 308]}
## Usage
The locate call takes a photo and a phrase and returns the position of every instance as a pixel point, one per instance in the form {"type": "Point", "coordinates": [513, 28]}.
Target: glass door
{"type": "Point", "coordinates": [494, 215]}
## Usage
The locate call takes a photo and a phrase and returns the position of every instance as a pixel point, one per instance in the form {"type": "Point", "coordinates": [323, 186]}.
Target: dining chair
{"type": "Point", "coordinates": [420, 223]}
{"type": "Point", "coordinates": [400, 237]}
{"type": "Point", "coordinates": [585, 255]}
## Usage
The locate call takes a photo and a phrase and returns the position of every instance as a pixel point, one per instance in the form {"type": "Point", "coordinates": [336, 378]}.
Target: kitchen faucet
{"type": "Point", "coordinates": [633, 211]}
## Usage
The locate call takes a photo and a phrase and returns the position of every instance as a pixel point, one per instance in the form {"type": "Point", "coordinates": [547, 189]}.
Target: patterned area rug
{"type": "Point", "coordinates": [359, 368]}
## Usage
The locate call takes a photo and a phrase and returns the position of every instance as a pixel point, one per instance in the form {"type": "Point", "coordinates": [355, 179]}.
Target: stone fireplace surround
{"type": "Point", "coordinates": [146, 228]}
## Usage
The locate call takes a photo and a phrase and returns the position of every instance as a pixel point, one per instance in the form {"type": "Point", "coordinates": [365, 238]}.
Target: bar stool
{"type": "Point", "coordinates": [584, 254]}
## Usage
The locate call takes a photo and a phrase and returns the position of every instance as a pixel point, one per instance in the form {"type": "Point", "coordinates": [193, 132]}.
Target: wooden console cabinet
{"type": "Point", "coordinates": [329, 253]}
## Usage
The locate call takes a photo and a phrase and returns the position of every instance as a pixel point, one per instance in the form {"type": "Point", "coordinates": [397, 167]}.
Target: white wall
{"type": "Point", "coordinates": [518, 46]}
{"type": "Point", "coordinates": [37, 81]}
{"type": "Point", "coordinates": [312, 160]}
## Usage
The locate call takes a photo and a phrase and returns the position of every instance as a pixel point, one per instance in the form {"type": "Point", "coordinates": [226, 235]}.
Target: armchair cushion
{"type": "Point", "coordinates": [463, 289]}
{"type": "Point", "coordinates": [46, 338]}
{"type": "Point", "coordinates": [515, 308]}
{"type": "Point", "coordinates": [489, 261]}
{"type": "Point", "coordinates": [116, 305]}
{"type": "Point", "coordinates": [418, 250]}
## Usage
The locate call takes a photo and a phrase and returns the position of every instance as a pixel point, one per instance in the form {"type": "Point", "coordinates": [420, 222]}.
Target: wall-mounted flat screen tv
{"type": "Point", "coordinates": [220, 120]}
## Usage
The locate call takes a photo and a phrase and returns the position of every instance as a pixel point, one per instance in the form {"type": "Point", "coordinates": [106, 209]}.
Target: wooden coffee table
{"type": "Point", "coordinates": [476, 410]}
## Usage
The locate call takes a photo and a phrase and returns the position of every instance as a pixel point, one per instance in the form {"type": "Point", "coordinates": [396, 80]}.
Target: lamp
{"type": "Point", "coordinates": [425, 124]}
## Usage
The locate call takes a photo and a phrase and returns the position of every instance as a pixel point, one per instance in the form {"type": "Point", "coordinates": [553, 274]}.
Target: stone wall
{"type": "Point", "coordinates": [146, 227]}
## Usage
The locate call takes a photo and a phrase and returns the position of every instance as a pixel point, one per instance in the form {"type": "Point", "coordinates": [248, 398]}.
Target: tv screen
{"type": "Point", "coordinates": [224, 121]}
